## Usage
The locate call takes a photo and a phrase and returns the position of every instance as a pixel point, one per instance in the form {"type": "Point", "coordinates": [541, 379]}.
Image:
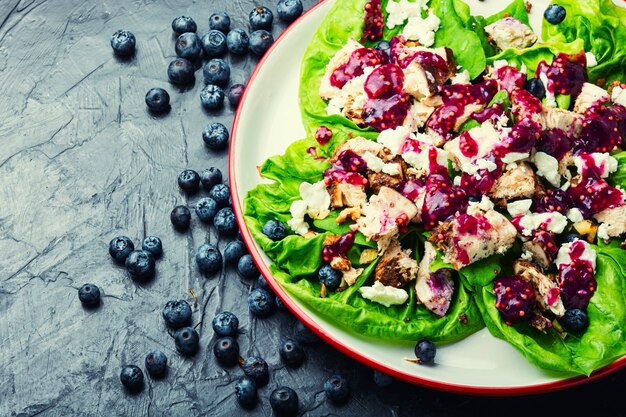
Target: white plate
{"type": "Point", "coordinates": [269, 120]}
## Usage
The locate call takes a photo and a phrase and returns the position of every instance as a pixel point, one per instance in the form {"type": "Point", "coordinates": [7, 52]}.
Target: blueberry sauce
{"type": "Point", "coordinates": [521, 138]}
{"type": "Point", "coordinates": [412, 145]}
{"type": "Point", "coordinates": [566, 74]}
{"type": "Point", "coordinates": [341, 247]}
{"type": "Point", "coordinates": [515, 298]}
{"type": "Point", "coordinates": [546, 240]}
{"type": "Point", "coordinates": [323, 135]}
{"type": "Point", "coordinates": [554, 199]}
{"type": "Point", "coordinates": [577, 279]}
{"type": "Point", "coordinates": [442, 199]}
{"type": "Point", "coordinates": [603, 128]}
{"type": "Point", "coordinates": [592, 195]}
{"type": "Point", "coordinates": [509, 78]}
{"type": "Point", "coordinates": [312, 150]}
{"type": "Point", "coordinates": [492, 113]}
{"type": "Point", "coordinates": [374, 22]}
{"type": "Point", "coordinates": [483, 181]}
{"type": "Point", "coordinates": [349, 168]}
{"type": "Point", "coordinates": [554, 142]}
{"type": "Point", "coordinates": [524, 104]}
{"type": "Point", "coordinates": [411, 188]}
{"type": "Point", "coordinates": [358, 61]}
{"type": "Point", "coordinates": [468, 145]}
{"type": "Point", "coordinates": [384, 82]}
{"type": "Point", "coordinates": [386, 113]}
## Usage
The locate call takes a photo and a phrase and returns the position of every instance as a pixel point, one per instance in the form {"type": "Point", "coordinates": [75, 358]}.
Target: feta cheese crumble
{"type": "Point", "coordinates": [383, 294]}
{"type": "Point", "coordinates": [564, 257]}
{"type": "Point", "coordinates": [461, 78]}
{"type": "Point", "coordinates": [618, 95]}
{"type": "Point", "coordinates": [422, 30]}
{"type": "Point", "coordinates": [516, 208]}
{"type": "Point", "coordinates": [591, 60]}
{"type": "Point", "coordinates": [605, 163]}
{"type": "Point", "coordinates": [553, 221]}
{"type": "Point", "coordinates": [393, 139]}
{"type": "Point", "coordinates": [315, 202]}
{"type": "Point", "coordinates": [399, 11]}
{"type": "Point", "coordinates": [547, 167]}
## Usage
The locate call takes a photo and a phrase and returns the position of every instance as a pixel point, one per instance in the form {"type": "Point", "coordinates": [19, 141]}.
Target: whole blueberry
{"type": "Point", "coordinates": [189, 181]}
{"type": "Point", "coordinates": [188, 46]}
{"type": "Point", "coordinates": [156, 363]}
{"type": "Point", "coordinates": [261, 282]}
{"type": "Point", "coordinates": [140, 264]}
{"type": "Point", "coordinates": [260, 41]}
{"type": "Point", "coordinates": [225, 324]}
{"type": "Point", "coordinates": [132, 378]}
{"type": "Point", "coordinates": [261, 18]}
{"type": "Point", "coordinates": [213, 43]}
{"type": "Point", "coordinates": [260, 302]}
{"type": "Point", "coordinates": [183, 24]}
{"type": "Point", "coordinates": [208, 258]}
{"type": "Point", "coordinates": [89, 295]}
{"type": "Point", "coordinates": [187, 341]}
{"type": "Point", "coordinates": [237, 41]}
{"type": "Point", "coordinates": [256, 368]}
{"type": "Point", "coordinates": [284, 402]}
{"type": "Point", "coordinates": [157, 100]}
{"type": "Point", "coordinates": [220, 21]}
{"type": "Point", "coordinates": [575, 320]}
{"type": "Point", "coordinates": [382, 380]}
{"type": "Point", "coordinates": [385, 47]}
{"type": "Point", "coordinates": [234, 94]}
{"type": "Point", "coordinates": [212, 97]}
{"type": "Point", "coordinates": [275, 229]}
{"type": "Point", "coordinates": [280, 306]}
{"type": "Point", "coordinates": [123, 43]}
{"type": "Point", "coordinates": [225, 222]}
{"type": "Point", "coordinates": [246, 267]}
{"type": "Point", "coordinates": [291, 352]}
{"type": "Point", "coordinates": [289, 10]}
{"type": "Point", "coordinates": [535, 87]}
{"type": "Point", "coordinates": [220, 193]}
{"type": "Point", "coordinates": [120, 247]}
{"type": "Point", "coordinates": [425, 351]}
{"type": "Point", "coordinates": [206, 208]}
{"type": "Point", "coordinates": [180, 71]}
{"type": "Point", "coordinates": [337, 389]}
{"type": "Point", "coordinates": [234, 251]}
{"type": "Point", "coordinates": [555, 14]}
{"type": "Point", "coordinates": [570, 237]}
{"type": "Point", "coordinates": [180, 217]}
{"type": "Point", "coordinates": [245, 392]}
{"type": "Point", "coordinates": [216, 71]}
{"type": "Point", "coordinates": [304, 335]}
{"type": "Point", "coordinates": [177, 314]}
{"type": "Point", "coordinates": [330, 277]}
{"type": "Point", "coordinates": [210, 177]}
{"type": "Point", "coordinates": [226, 351]}
{"type": "Point", "coordinates": [153, 245]}
{"type": "Point", "coordinates": [215, 136]}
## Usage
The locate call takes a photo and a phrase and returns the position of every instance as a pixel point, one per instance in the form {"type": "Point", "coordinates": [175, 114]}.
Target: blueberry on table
{"type": "Point", "coordinates": [555, 14]}
{"type": "Point", "coordinates": [180, 217]}
{"type": "Point", "coordinates": [89, 295]}
{"type": "Point", "coordinates": [260, 41]}
{"type": "Point", "coordinates": [208, 258]}
{"type": "Point", "coordinates": [425, 351]}
{"type": "Point", "coordinates": [246, 267]}
{"type": "Point", "coordinates": [206, 209]}
{"type": "Point", "coordinates": [234, 94]}
{"type": "Point", "coordinates": [234, 251]}
{"type": "Point", "coordinates": [280, 306]}
{"type": "Point", "coordinates": [177, 314]}
{"type": "Point", "coordinates": [183, 24]}
{"type": "Point", "coordinates": [180, 71]}
{"type": "Point", "coordinates": [284, 402]}
{"type": "Point", "coordinates": [291, 352]}
{"type": "Point", "coordinates": [186, 340]}
{"type": "Point", "coordinates": [153, 245]}
{"type": "Point", "coordinates": [212, 97]}
{"type": "Point", "coordinates": [219, 21]}
{"type": "Point", "coordinates": [123, 43]}
{"type": "Point", "coordinates": [275, 230]}
{"type": "Point", "coordinates": [337, 389]}
{"type": "Point", "coordinates": [156, 363]}
{"type": "Point", "coordinates": [120, 247]}
{"type": "Point", "coordinates": [261, 18]}
{"type": "Point", "coordinates": [304, 335]}
{"type": "Point", "coordinates": [261, 282]}
{"type": "Point", "coordinates": [289, 10]}
{"type": "Point", "coordinates": [157, 100]}
{"type": "Point", "coordinates": [215, 136]}
{"type": "Point", "coordinates": [225, 222]}
{"type": "Point", "coordinates": [330, 277]}
{"type": "Point", "coordinates": [213, 43]}
{"type": "Point", "coordinates": [189, 181]}
{"type": "Point", "coordinates": [225, 324]}
{"type": "Point", "coordinates": [535, 87]}
{"type": "Point", "coordinates": [237, 42]}
{"type": "Point", "coordinates": [261, 303]}
{"type": "Point", "coordinates": [210, 176]}
{"type": "Point", "coordinates": [381, 379]}
{"type": "Point", "coordinates": [132, 378]}
{"type": "Point", "coordinates": [188, 46]}
{"type": "Point", "coordinates": [140, 264]}
{"type": "Point", "coordinates": [575, 320]}
{"type": "Point", "coordinates": [256, 368]}
{"type": "Point", "coordinates": [220, 193]}
{"type": "Point", "coordinates": [226, 351]}
{"type": "Point", "coordinates": [246, 392]}
{"type": "Point", "coordinates": [216, 71]}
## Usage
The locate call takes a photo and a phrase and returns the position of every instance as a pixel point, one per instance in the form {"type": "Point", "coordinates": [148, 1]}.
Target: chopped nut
{"type": "Point", "coordinates": [528, 6]}
{"type": "Point", "coordinates": [463, 318]}
{"type": "Point", "coordinates": [310, 234]}
{"type": "Point", "coordinates": [351, 212]}
{"type": "Point", "coordinates": [331, 239]}
{"type": "Point", "coordinates": [341, 263]}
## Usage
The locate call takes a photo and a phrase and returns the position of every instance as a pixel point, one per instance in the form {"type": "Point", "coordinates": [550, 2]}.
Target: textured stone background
{"type": "Point", "coordinates": [82, 161]}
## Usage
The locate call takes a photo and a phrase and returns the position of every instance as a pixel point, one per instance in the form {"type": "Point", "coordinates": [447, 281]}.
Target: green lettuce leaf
{"type": "Point", "coordinates": [533, 55]}
{"type": "Point", "coordinates": [619, 177]}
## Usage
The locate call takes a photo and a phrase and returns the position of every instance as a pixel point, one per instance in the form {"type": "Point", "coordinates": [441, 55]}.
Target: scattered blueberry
{"type": "Point", "coordinates": [89, 295]}
{"type": "Point", "coordinates": [385, 47]}
{"type": "Point", "coordinates": [132, 378]}
{"type": "Point", "coordinates": [245, 391]}
{"type": "Point", "coordinates": [188, 46]}
{"type": "Point", "coordinates": [289, 10]}
{"type": "Point", "coordinates": [555, 14]}
{"type": "Point", "coordinates": [220, 193]}
{"type": "Point", "coordinates": [212, 97]}
{"type": "Point", "coordinates": [183, 24]}
{"type": "Point", "coordinates": [337, 389]}
{"type": "Point", "coordinates": [304, 335]}
{"type": "Point", "coordinates": [284, 402]}
{"type": "Point", "coordinates": [575, 320]}
{"type": "Point", "coordinates": [261, 282]}
{"type": "Point", "coordinates": [535, 87]}
{"type": "Point", "coordinates": [153, 245]}
{"type": "Point", "coordinates": [180, 217]}
{"type": "Point", "coordinates": [261, 18]}
{"type": "Point", "coordinates": [156, 363]}
{"type": "Point", "coordinates": [180, 71]}
{"type": "Point", "coordinates": [234, 251]}
{"type": "Point", "coordinates": [189, 181]}
{"type": "Point", "coordinates": [220, 21]}
{"type": "Point", "coordinates": [382, 380]}
{"type": "Point", "coordinates": [186, 340]}
{"type": "Point", "coordinates": [210, 177]}
{"type": "Point", "coordinates": [330, 277]}
{"type": "Point", "coordinates": [256, 368]}
{"type": "Point", "coordinates": [234, 94]}
{"type": "Point", "coordinates": [275, 230]}
{"type": "Point", "coordinates": [280, 306]}
{"type": "Point", "coordinates": [474, 199]}
{"type": "Point", "coordinates": [123, 43]}
{"type": "Point", "coordinates": [213, 43]}
{"type": "Point", "coordinates": [216, 71]}
{"type": "Point", "coordinates": [237, 41]}
{"type": "Point", "coordinates": [260, 41]}
{"type": "Point", "coordinates": [260, 302]}
{"type": "Point", "coordinates": [570, 237]}
{"type": "Point", "coordinates": [157, 100]}
{"type": "Point", "coordinates": [226, 351]}
{"type": "Point", "coordinates": [140, 264]}
{"type": "Point", "coordinates": [246, 267]}
{"type": "Point", "coordinates": [177, 314]}
{"type": "Point", "coordinates": [226, 324]}
{"type": "Point", "coordinates": [209, 258]}
{"type": "Point", "coordinates": [215, 136]}
{"type": "Point", "coordinates": [120, 247]}
{"type": "Point", "coordinates": [291, 352]}
{"type": "Point", "coordinates": [425, 351]}
{"type": "Point", "coordinates": [225, 222]}
{"type": "Point", "coordinates": [206, 208]}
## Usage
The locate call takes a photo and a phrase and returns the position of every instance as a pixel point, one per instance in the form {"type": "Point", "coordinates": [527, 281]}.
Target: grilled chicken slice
{"type": "Point", "coordinates": [433, 289]}
{"type": "Point", "coordinates": [548, 293]}
{"type": "Point", "coordinates": [396, 266]}
{"type": "Point", "coordinates": [328, 91]}
{"type": "Point", "coordinates": [518, 182]}
{"type": "Point", "coordinates": [511, 33]}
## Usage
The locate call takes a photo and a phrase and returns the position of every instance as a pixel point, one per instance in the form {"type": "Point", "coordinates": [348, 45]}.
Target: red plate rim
{"type": "Point", "coordinates": [311, 324]}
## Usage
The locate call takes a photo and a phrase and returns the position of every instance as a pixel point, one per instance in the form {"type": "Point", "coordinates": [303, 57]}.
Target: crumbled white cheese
{"type": "Point", "coordinates": [421, 160]}
{"type": "Point", "coordinates": [550, 98]}
{"type": "Point", "coordinates": [399, 11]}
{"type": "Point", "coordinates": [393, 139]}
{"type": "Point", "coordinates": [602, 233]}
{"type": "Point", "coordinates": [462, 77]}
{"type": "Point", "coordinates": [316, 198]}
{"type": "Point", "coordinates": [486, 137]}
{"type": "Point", "coordinates": [591, 60]}
{"type": "Point", "coordinates": [472, 168]}
{"type": "Point", "coordinates": [352, 95]}
{"type": "Point", "coordinates": [499, 63]}
{"type": "Point", "coordinates": [527, 256]}
{"type": "Point", "coordinates": [605, 163]}
{"type": "Point", "coordinates": [392, 169]}
{"type": "Point", "coordinates": [553, 221]}
{"type": "Point", "coordinates": [575, 215]}
{"type": "Point", "coordinates": [516, 208]}
{"type": "Point", "coordinates": [297, 223]}
{"type": "Point", "coordinates": [564, 257]}
{"type": "Point", "coordinates": [422, 30]}
{"type": "Point", "coordinates": [373, 162]}
{"type": "Point", "coordinates": [483, 206]}
{"type": "Point", "coordinates": [618, 95]}
{"type": "Point", "coordinates": [457, 181]}
{"type": "Point", "coordinates": [511, 157]}
{"type": "Point", "coordinates": [503, 120]}
{"type": "Point", "coordinates": [547, 167]}
{"type": "Point", "coordinates": [383, 294]}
